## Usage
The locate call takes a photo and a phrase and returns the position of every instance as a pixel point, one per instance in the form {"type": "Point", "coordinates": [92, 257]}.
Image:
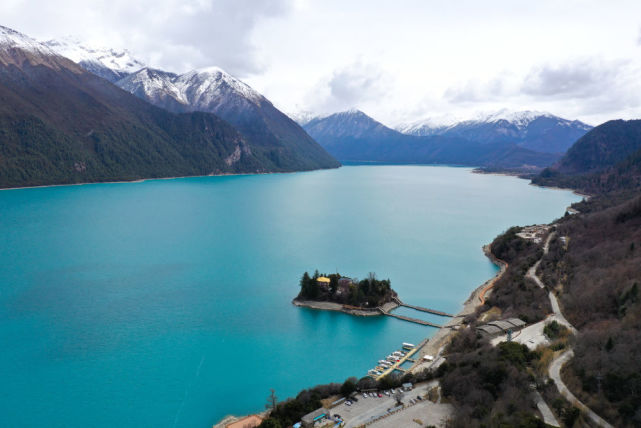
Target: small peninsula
{"type": "Point", "coordinates": [335, 292]}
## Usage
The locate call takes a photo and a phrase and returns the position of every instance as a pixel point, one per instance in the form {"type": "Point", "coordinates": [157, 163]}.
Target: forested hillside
{"type": "Point", "coordinates": [606, 159]}
{"type": "Point", "coordinates": [595, 266]}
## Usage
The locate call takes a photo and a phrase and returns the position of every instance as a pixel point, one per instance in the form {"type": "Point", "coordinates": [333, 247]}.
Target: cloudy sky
{"type": "Point", "coordinates": [397, 60]}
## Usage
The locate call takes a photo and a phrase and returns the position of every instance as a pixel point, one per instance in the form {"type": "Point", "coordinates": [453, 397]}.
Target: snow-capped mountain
{"type": "Point", "coordinates": [209, 89]}
{"type": "Point", "coordinates": [350, 123]}
{"type": "Point", "coordinates": [354, 136]}
{"type": "Point", "coordinates": [302, 117]}
{"type": "Point", "coordinates": [107, 63]}
{"type": "Point", "coordinates": [17, 49]}
{"type": "Point", "coordinates": [215, 91]}
{"type": "Point", "coordinates": [63, 124]}
{"type": "Point", "coordinates": [428, 126]}
{"type": "Point", "coordinates": [539, 131]}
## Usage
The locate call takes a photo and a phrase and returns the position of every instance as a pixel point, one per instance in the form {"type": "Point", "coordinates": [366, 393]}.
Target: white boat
{"type": "Point", "coordinates": [408, 345]}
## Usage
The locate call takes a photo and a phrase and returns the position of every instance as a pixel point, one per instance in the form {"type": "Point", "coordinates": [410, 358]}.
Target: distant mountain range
{"type": "Point", "coordinates": [538, 131]}
{"type": "Point", "coordinates": [524, 141]}
{"type": "Point", "coordinates": [60, 124]}
{"type": "Point", "coordinates": [82, 127]}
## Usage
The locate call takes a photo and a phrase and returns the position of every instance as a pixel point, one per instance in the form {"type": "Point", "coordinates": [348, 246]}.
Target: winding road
{"type": "Point", "coordinates": [554, 370]}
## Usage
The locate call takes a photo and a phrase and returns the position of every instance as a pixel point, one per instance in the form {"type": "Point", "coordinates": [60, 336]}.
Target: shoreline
{"type": "Point", "coordinates": [142, 180]}
{"type": "Point", "coordinates": [576, 192]}
{"type": "Point", "coordinates": [346, 309]}
{"type": "Point", "coordinates": [520, 175]}
{"type": "Point", "coordinates": [437, 343]}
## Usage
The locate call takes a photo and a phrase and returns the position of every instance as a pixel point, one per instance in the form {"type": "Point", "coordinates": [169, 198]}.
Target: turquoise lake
{"type": "Point", "coordinates": [168, 302]}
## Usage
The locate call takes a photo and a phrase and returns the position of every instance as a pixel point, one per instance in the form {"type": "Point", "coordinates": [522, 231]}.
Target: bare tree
{"type": "Point", "coordinates": [272, 400]}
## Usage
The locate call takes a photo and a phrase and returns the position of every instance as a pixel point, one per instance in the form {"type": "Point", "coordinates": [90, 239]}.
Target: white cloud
{"type": "Point", "coordinates": [351, 86]}
{"type": "Point", "coordinates": [172, 34]}
{"type": "Point", "coordinates": [584, 78]}
{"type": "Point", "coordinates": [397, 61]}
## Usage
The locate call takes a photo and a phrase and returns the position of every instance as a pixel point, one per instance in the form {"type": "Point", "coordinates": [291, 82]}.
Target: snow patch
{"type": "Point", "coordinates": [13, 39]}
{"type": "Point", "coordinates": [120, 61]}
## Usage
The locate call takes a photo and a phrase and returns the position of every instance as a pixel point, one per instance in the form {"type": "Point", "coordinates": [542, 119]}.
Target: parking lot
{"type": "Point", "coordinates": [365, 409]}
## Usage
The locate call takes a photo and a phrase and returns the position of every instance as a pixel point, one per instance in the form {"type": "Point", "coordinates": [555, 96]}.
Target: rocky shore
{"type": "Point", "coordinates": [352, 310]}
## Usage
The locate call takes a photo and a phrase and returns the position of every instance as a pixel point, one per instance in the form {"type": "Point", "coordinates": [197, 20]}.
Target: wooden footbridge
{"type": "Point", "coordinates": [422, 309]}
{"type": "Point", "coordinates": [417, 308]}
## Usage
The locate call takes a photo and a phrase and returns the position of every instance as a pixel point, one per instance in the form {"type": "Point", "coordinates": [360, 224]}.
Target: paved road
{"type": "Point", "coordinates": [558, 316]}
{"type": "Point", "coordinates": [555, 375]}
{"type": "Point", "coordinates": [531, 273]}
{"type": "Point", "coordinates": [555, 367]}
{"type": "Point", "coordinates": [548, 416]}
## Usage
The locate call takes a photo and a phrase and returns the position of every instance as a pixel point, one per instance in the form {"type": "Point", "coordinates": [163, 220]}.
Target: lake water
{"type": "Point", "coordinates": [168, 302]}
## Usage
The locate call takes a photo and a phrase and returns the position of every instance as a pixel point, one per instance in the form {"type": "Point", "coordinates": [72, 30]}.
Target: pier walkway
{"type": "Point", "coordinates": [386, 311]}
{"type": "Point", "coordinates": [422, 309]}
{"type": "Point", "coordinates": [414, 320]}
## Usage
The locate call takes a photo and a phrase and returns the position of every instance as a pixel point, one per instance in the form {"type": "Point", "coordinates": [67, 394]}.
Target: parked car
{"type": "Point", "coordinates": [364, 394]}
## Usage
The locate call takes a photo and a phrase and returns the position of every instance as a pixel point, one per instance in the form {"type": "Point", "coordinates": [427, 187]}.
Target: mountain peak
{"type": "Point", "coordinates": [119, 60]}
{"type": "Point", "coordinates": [17, 49]}
{"type": "Point", "coordinates": [108, 63]}
{"type": "Point", "coordinates": [347, 123]}
{"type": "Point", "coordinates": [211, 70]}
{"type": "Point", "coordinates": [213, 82]}
{"type": "Point", "coordinates": [352, 112]}
{"type": "Point", "coordinates": [13, 39]}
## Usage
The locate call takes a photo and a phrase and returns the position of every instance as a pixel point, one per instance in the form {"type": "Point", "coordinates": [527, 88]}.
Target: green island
{"type": "Point", "coordinates": [362, 297]}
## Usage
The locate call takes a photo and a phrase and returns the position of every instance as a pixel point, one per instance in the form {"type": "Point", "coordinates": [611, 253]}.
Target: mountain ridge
{"type": "Point", "coordinates": [538, 131]}
{"type": "Point", "coordinates": [608, 158]}
{"type": "Point", "coordinates": [110, 64]}
{"type": "Point", "coordinates": [61, 124]}
{"type": "Point", "coordinates": [354, 136]}
{"type": "Point", "coordinates": [215, 91]}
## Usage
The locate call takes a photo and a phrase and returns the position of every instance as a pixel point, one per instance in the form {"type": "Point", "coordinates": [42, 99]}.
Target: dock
{"type": "Point", "coordinates": [397, 365]}
{"type": "Point", "coordinates": [422, 309]}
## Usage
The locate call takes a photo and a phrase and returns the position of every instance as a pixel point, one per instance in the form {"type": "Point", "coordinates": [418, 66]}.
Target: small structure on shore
{"type": "Point", "coordinates": [496, 328]}
{"type": "Point", "coordinates": [323, 281]}
{"type": "Point", "coordinates": [534, 233]}
{"type": "Point", "coordinates": [310, 419]}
